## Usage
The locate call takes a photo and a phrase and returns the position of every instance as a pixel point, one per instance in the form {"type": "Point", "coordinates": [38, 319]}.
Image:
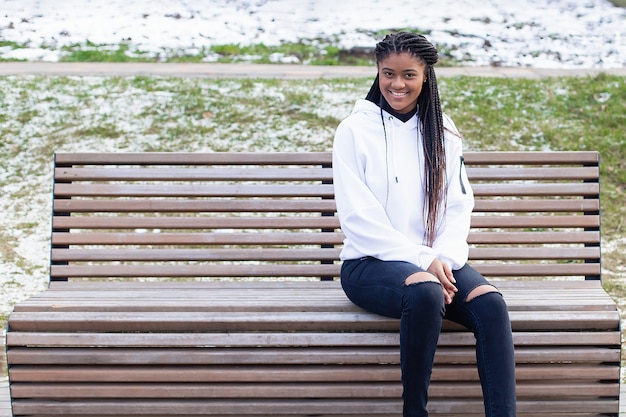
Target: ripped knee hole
{"type": "Point", "coordinates": [418, 277]}
{"type": "Point", "coordinates": [480, 290]}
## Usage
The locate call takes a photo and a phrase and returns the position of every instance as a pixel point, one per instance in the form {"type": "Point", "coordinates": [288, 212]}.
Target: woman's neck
{"type": "Point", "coordinates": [405, 117]}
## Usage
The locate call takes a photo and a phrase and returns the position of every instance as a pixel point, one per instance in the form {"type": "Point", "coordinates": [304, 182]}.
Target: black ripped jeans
{"type": "Point", "coordinates": [378, 286]}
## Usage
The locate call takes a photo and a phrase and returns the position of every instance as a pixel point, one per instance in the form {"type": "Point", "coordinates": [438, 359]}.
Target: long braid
{"type": "Point", "coordinates": [430, 118]}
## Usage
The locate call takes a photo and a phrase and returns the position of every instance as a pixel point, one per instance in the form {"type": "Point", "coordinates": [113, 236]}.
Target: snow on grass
{"type": "Point", "coordinates": [537, 33]}
{"type": "Point", "coordinates": [42, 115]}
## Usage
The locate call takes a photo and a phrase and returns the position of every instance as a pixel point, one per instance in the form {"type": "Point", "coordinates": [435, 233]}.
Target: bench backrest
{"type": "Point", "coordinates": [272, 215]}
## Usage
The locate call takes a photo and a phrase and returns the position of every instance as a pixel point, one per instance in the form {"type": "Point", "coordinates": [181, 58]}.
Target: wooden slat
{"type": "Point", "coordinates": [217, 289]}
{"type": "Point", "coordinates": [301, 374]}
{"type": "Point", "coordinates": [292, 390]}
{"type": "Point", "coordinates": [128, 302]}
{"type": "Point", "coordinates": [303, 190]}
{"type": "Point", "coordinates": [534, 237]}
{"type": "Point", "coordinates": [295, 270]}
{"type": "Point", "coordinates": [535, 189]}
{"type": "Point", "coordinates": [199, 238]}
{"type": "Point", "coordinates": [537, 270]}
{"type": "Point", "coordinates": [281, 356]}
{"type": "Point", "coordinates": [540, 253]}
{"type": "Point", "coordinates": [207, 322]}
{"type": "Point", "coordinates": [535, 221]}
{"type": "Point", "coordinates": [276, 238]}
{"type": "Point", "coordinates": [260, 205]}
{"type": "Point", "coordinates": [539, 174]}
{"type": "Point", "coordinates": [275, 270]}
{"type": "Point", "coordinates": [536, 288]}
{"type": "Point", "coordinates": [301, 174]}
{"type": "Point", "coordinates": [104, 222]}
{"type": "Point", "coordinates": [238, 254]}
{"type": "Point", "coordinates": [575, 205]}
{"type": "Point", "coordinates": [193, 174]}
{"type": "Point", "coordinates": [288, 408]}
{"type": "Point", "coordinates": [192, 158]}
{"type": "Point", "coordinates": [192, 206]}
{"type": "Point", "coordinates": [208, 390]}
{"type": "Point", "coordinates": [289, 340]}
{"type": "Point", "coordinates": [532, 158]}
{"type": "Point", "coordinates": [519, 294]}
{"type": "Point", "coordinates": [166, 305]}
{"type": "Point", "coordinates": [276, 321]}
{"type": "Point", "coordinates": [197, 190]}
{"type": "Point", "coordinates": [278, 158]}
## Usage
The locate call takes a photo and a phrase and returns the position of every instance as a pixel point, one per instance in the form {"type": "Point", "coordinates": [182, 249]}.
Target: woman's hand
{"type": "Point", "coordinates": [444, 274]}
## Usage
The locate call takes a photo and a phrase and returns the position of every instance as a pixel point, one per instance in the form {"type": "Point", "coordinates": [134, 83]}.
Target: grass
{"type": "Point", "coordinates": [311, 52]}
{"type": "Point", "coordinates": [558, 114]}
{"type": "Point", "coordinates": [306, 51]}
{"type": "Point", "coordinates": [90, 52]}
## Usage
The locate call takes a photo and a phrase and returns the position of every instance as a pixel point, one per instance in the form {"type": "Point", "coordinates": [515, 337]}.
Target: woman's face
{"type": "Point", "coordinates": [401, 77]}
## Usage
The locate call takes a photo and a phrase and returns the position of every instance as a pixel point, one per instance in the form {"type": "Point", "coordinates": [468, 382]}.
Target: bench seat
{"type": "Point", "coordinates": [164, 301]}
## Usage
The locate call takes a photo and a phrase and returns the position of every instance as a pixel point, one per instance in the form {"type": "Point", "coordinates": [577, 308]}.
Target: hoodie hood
{"type": "Point", "coordinates": [367, 108]}
{"type": "Point", "coordinates": [374, 95]}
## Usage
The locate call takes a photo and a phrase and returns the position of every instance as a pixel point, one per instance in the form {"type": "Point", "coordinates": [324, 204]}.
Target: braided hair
{"type": "Point", "coordinates": [429, 116]}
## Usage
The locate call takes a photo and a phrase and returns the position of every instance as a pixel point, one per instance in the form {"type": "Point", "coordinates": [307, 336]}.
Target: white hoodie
{"type": "Point", "coordinates": [379, 191]}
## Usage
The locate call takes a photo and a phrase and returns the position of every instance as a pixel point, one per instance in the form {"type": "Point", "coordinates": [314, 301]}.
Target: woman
{"type": "Point", "coordinates": [404, 203]}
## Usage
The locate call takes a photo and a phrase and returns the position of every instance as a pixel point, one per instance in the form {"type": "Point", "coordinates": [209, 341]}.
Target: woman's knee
{"type": "Point", "coordinates": [487, 301]}
{"type": "Point", "coordinates": [419, 277]}
{"type": "Point", "coordinates": [481, 290]}
{"type": "Point", "coordinates": [423, 295]}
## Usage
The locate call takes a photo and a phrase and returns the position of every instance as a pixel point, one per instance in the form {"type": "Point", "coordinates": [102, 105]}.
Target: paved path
{"type": "Point", "coordinates": [260, 71]}
{"type": "Point", "coordinates": [268, 70]}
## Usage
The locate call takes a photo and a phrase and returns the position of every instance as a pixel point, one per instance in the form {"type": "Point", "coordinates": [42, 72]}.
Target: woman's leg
{"type": "Point", "coordinates": [481, 308]}
{"type": "Point", "coordinates": [402, 290]}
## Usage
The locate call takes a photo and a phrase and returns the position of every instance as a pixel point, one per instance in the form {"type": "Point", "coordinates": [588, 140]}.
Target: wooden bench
{"type": "Point", "coordinates": [206, 284]}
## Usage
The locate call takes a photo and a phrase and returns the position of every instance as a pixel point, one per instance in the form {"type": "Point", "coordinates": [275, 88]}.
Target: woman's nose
{"type": "Point", "coordinates": [397, 82]}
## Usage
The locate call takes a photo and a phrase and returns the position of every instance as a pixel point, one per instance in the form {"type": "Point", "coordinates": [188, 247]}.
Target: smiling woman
{"type": "Point", "coordinates": [404, 204]}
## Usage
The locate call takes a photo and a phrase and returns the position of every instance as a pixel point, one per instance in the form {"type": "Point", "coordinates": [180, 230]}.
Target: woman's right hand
{"type": "Point", "coordinates": [444, 274]}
